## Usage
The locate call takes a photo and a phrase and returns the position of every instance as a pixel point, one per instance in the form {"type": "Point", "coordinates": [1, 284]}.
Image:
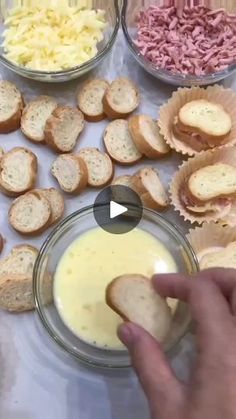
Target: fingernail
{"type": "Point", "coordinates": [126, 333]}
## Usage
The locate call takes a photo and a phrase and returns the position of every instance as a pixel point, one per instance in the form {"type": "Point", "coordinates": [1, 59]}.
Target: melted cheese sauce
{"type": "Point", "coordinates": [89, 265]}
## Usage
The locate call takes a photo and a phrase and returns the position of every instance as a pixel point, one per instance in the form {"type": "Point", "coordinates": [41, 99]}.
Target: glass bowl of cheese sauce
{"type": "Point", "coordinates": [79, 260]}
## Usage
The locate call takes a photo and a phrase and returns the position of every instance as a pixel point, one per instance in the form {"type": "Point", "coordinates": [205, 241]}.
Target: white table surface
{"type": "Point", "coordinates": [37, 380]}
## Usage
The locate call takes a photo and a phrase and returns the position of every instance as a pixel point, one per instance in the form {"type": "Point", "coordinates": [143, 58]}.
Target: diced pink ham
{"type": "Point", "coordinates": [188, 40]}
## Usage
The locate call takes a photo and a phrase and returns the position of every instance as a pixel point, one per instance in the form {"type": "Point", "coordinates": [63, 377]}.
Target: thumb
{"type": "Point", "coordinates": [164, 392]}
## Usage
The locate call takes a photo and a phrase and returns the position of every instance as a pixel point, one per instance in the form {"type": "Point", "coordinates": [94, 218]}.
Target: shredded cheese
{"type": "Point", "coordinates": [53, 36]}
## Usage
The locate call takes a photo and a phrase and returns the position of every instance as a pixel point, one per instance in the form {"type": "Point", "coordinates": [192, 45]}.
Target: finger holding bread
{"type": "Point", "coordinates": [134, 299]}
{"type": "Point", "coordinates": [121, 99]}
{"type": "Point", "coordinates": [63, 128]}
{"type": "Point", "coordinates": [90, 99]}
{"type": "Point", "coordinates": [119, 143]}
{"type": "Point", "coordinates": [99, 165]}
{"type": "Point", "coordinates": [71, 173]}
{"type": "Point", "coordinates": [35, 116]}
{"type": "Point", "coordinates": [18, 171]}
{"type": "Point", "coordinates": [12, 105]}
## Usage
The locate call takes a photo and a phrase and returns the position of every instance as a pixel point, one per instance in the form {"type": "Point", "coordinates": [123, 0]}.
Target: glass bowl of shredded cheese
{"type": "Point", "coordinates": [56, 40]}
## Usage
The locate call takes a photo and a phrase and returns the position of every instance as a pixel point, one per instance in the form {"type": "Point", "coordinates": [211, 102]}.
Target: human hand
{"type": "Point", "coordinates": [211, 391]}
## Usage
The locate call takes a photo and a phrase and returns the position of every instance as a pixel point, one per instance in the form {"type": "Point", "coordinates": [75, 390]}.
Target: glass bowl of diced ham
{"type": "Point", "coordinates": [180, 42]}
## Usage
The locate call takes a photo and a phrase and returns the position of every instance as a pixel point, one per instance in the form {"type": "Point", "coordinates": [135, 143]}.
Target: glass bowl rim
{"type": "Point", "coordinates": [83, 67]}
{"type": "Point", "coordinates": [177, 77]}
{"type": "Point", "coordinates": [166, 225]}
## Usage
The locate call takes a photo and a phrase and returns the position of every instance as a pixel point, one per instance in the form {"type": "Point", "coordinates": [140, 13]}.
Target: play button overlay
{"type": "Point", "coordinates": [118, 209]}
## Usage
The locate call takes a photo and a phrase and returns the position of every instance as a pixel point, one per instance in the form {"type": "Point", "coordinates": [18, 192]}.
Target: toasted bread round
{"type": "Point", "coordinates": [90, 99]}
{"type": "Point", "coordinates": [56, 201]}
{"type": "Point", "coordinates": [119, 143]}
{"type": "Point", "coordinates": [18, 171]}
{"type": "Point", "coordinates": [34, 117]}
{"type": "Point", "coordinates": [146, 136]}
{"type": "Point", "coordinates": [208, 118]}
{"type": "Point", "coordinates": [16, 274]}
{"type": "Point", "coordinates": [225, 258]}
{"type": "Point", "coordinates": [134, 299]}
{"type": "Point", "coordinates": [152, 193]}
{"type": "Point", "coordinates": [99, 165]}
{"type": "Point", "coordinates": [63, 128]}
{"type": "Point", "coordinates": [71, 173]}
{"type": "Point", "coordinates": [121, 99]}
{"type": "Point", "coordinates": [125, 180]}
{"type": "Point", "coordinates": [1, 153]}
{"type": "Point", "coordinates": [11, 107]}
{"type": "Point", "coordinates": [30, 214]}
{"type": "Point", "coordinates": [211, 182]}
{"type": "Point", "coordinates": [2, 242]}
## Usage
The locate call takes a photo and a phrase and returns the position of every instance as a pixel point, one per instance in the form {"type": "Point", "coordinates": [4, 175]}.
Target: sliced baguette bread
{"type": "Point", "coordinates": [146, 136]}
{"type": "Point", "coordinates": [30, 214]}
{"type": "Point", "coordinates": [134, 299]}
{"type": "Point", "coordinates": [119, 143]}
{"type": "Point", "coordinates": [16, 274]}
{"type": "Point", "coordinates": [18, 171]}
{"type": "Point", "coordinates": [34, 117]}
{"type": "Point", "coordinates": [207, 118]}
{"type": "Point", "coordinates": [63, 128]}
{"type": "Point", "coordinates": [1, 153]}
{"type": "Point", "coordinates": [225, 258]}
{"type": "Point", "coordinates": [99, 165]}
{"type": "Point", "coordinates": [71, 173]}
{"type": "Point", "coordinates": [125, 180]}
{"type": "Point", "coordinates": [121, 99]}
{"type": "Point", "coordinates": [2, 242]}
{"type": "Point", "coordinates": [150, 189]}
{"type": "Point", "coordinates": [90, 99]}
{"type": "Point", "coordinates": [56, 201]}
{"type": "Point", "coordinates": [11, 107]}
{"type": "Point", "coordinates": [211, 182]}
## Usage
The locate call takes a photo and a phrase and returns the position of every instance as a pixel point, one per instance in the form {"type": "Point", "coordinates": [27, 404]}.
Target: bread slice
{"type": "Point", "coordinates": [99, 165]}
{"type": "Point", "coordinates": [125, 180]}
{"type": "Point", "coordinates": [207, 118]}
{"type": "Point", "coordinates": [18, 171]}
{"type": "Point", "coordinates": [225, 258]}
{"type": "Point", "coordinates": [56, 201]}
{"type": "Point", "coordinates": [71, 173]}
{"type": "Point", "coordinates": [147, 137]}
{"type": "Point", "coordinates": [119, 143]}
{"type": "Point", "coordinates": [2, 243]}
{"type": "Point", "coordinates": [211, 182]}
{"type": "Point", "coordinates": [11, 107]}
{"type": "Point", "coordinates": [30, 214]}
{"type": "Point", "coordinates": [34, 117]}
{"type": "Point", "coordinates": [121, 99]}
{"type": "Point", "coordinates": [152, 193]}
{"type": "Point", "coordinates": [90, 99]}
{"type": "Point", "coordinates": [134, 299]}
{"type": "Point", "coordinates": [1, 153]}
{"type": "Point", "coordinates": [63, 128]}
{"type": "Point", "coordinates": [16, 275]}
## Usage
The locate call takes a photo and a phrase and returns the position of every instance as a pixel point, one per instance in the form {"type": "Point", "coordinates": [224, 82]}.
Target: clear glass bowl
{"type": "Point", "coordinates": [46, 265]}
{"type": "Point", "coordinates": [104, 47]}
{"type": "Point", "coordinates": [129, 13]}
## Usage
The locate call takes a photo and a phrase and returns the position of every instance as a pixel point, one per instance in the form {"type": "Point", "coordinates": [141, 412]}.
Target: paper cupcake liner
{"type": "Point", "coordinates": [225, 97]}
{"type": "Point", "coordinates": [226, 154]}
{"type": "Point", "coordinates": [210, 236]}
